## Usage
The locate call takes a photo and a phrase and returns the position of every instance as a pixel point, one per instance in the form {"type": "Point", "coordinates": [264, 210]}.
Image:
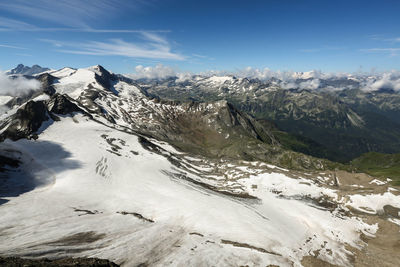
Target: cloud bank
{"type": "Point", "coordinates": [388, 81]}
{"type": "Point", "coordinates": [17, 86]}
{"type": "Point", "coordinates": [157, 72]}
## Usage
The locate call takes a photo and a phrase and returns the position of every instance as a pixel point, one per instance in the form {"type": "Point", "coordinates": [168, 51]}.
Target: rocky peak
{"type": "Point", "coordinates": [26, 121]}
{"type": "Point", "coordinates": [62, 104]}
{"type": "Point", "coordinates": [29, 117]}
{"type": "Point", "coordinates": [47, 80]}
{"type": "Point", "coordinates": [103, 76]}
{"type": "Point", "coordinates": [26, 70]}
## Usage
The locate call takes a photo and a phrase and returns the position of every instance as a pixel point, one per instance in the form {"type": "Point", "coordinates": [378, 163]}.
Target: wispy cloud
{"type": "Point", "coordinates": [392, 51]}
{"type": "Point", "coordinates": [384, 40]}
{"type": "Point", "coordinates": [7, 24]}
{"type": "Point", "coordinates": [150, 36]}
{"type": "Point", "coordinates": [393, 40]}
{"type": "Point", "coordinates": [380, 37]}
{"type": "Point", "coordinates": [12, 46]}
{"type": "Point", "coordinates": [72, 13]}
{"type": "Point", "coordinates": [153, 47]}
{"type": "Point", "coordinates": [23, 55]}
{"type": "Point", "coordinates": [11, 25]}
{"type": "Point", "coordinates": [198, 56]}
{"type": "Point", "coordinates": [53, 42]}
{"type": "Point", "coordinates": [320, 49]}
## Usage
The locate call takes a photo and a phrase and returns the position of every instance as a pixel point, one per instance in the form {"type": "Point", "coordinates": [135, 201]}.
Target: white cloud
{"type": "Point", "coordinates": [321, 49]}
{"type": "Point", "coordinates": [285, 76]}
{"type": "Point", "coordinates": [73, 13]}
{"type": "Point", "coordinates": [183, 76]}
{"type": "Point", "coordinates": [312, 84]}
{"type": "Point", "coordinates": [157, 72]}
{"type": "Point", "coordinates": [393, 51]}
{"type": "Point", "coordinates": [155, 38]}
{"type": "Point", "coordinates": [154, 47]}
{"type": "Point", "coordinates": [388, 80]}
{"type": "Point", "coordinates": [250, 72]}
{"type": "Point", "coordinates": [7, 25]}
{"type": "Point", "coordinates": [17, 86]}
{"type": "Point", "coordinates": [11, 46]}
{"type": "Point", "coordinates": [201, 57]}
{"type": "Point", "coordinates": [12, 25]}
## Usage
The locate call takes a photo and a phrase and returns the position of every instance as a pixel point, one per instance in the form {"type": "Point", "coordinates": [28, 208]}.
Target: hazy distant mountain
{"type": "Point", "coordinates": [26, 70]}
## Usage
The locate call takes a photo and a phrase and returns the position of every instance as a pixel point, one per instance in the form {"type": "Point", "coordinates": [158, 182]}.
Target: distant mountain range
{"type": "Point", "coordinates": [339, 114]}
{"type": "Point", "coordinates": [25, 70]}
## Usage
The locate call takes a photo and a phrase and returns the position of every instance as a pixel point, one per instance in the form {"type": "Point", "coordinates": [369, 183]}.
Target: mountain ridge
{"type": "Point", "coordinates": [21, 69]}
{"type": "Point", "coordinates": [212, 129]}
{"type": "Point", "coordinates": [334, 119]}
{"type": "Point", "coordinates": [92, 164]}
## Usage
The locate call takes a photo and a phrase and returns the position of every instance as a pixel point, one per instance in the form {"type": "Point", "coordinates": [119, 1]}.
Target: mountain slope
{"type": "Point", "coordinates": [346, 122]}
{"type": "Point", "coordinates": [87, 171]}
{"type": "Point", "coordinates": [379, 165]}
{"type": "Point", "coordinates": [100, 176]}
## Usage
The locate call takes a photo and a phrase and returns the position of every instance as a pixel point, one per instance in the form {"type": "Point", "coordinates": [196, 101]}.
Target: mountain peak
{"type": "Point", "coordinates": [26, 70]}
{"type": "Point", "coordinates": [98, 69]}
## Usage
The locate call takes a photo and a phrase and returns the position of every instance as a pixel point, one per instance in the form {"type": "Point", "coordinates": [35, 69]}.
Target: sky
{"type": "Point", "coordinates": [198, 36]}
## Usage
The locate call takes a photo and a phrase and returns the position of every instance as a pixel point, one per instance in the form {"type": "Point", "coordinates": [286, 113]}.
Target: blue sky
{"type": "Point", "coordinates": [198, 36]}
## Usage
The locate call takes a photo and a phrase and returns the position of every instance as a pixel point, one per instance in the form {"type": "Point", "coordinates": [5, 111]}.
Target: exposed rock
{"type": "Point", "coordinates": [26, 121]}
{"type": "Point", "coordinates": [62, 104]}
{"type": "Point", "coordinates": [105, 78]}
{"type": "Point", "coordinates": [67, 262]}
{"type": "Point", "coordinates": [30, 117]}
{"type": "Point", "coordinates": [47, 80]}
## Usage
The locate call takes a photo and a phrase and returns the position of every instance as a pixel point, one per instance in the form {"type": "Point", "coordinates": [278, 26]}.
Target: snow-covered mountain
{"type": "Point", "coordinates": [92, 165]}
{"type": "Point", "coordinates": [271, 80]}
{"type": "Point", "coordinates": [26, 70]}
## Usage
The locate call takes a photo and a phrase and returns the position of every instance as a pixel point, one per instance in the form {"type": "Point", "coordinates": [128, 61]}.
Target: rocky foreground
{"type": "Point", "coordinates": [68, 262]}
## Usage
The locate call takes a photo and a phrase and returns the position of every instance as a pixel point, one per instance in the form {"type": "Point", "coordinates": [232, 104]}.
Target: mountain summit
{"type": "Point", "coordinates": [25, 70]}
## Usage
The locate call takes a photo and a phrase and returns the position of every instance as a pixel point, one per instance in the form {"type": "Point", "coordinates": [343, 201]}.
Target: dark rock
{"type": "Point", "coordinates": [6, 161]}
{"type": "Point", "coordinates": [391, 211]}
{"type": "Point", "coordinates": [62, 104]}
{"type": "Point", "coordinates": [105, 78]}
{"type": "Point", "coordinates": [26, 121]}
{"type": "Point", "coordinates": [44, 262]}
{"type": "Point", "coordinates": [47, 80]}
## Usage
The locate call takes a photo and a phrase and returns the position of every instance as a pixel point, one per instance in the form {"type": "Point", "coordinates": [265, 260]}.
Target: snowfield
{"type": "Point", "coordinates": [88, 200]}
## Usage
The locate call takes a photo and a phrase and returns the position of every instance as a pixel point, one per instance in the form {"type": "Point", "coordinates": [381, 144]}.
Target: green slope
{"type": "Point", "coordinates": [379, 165]}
